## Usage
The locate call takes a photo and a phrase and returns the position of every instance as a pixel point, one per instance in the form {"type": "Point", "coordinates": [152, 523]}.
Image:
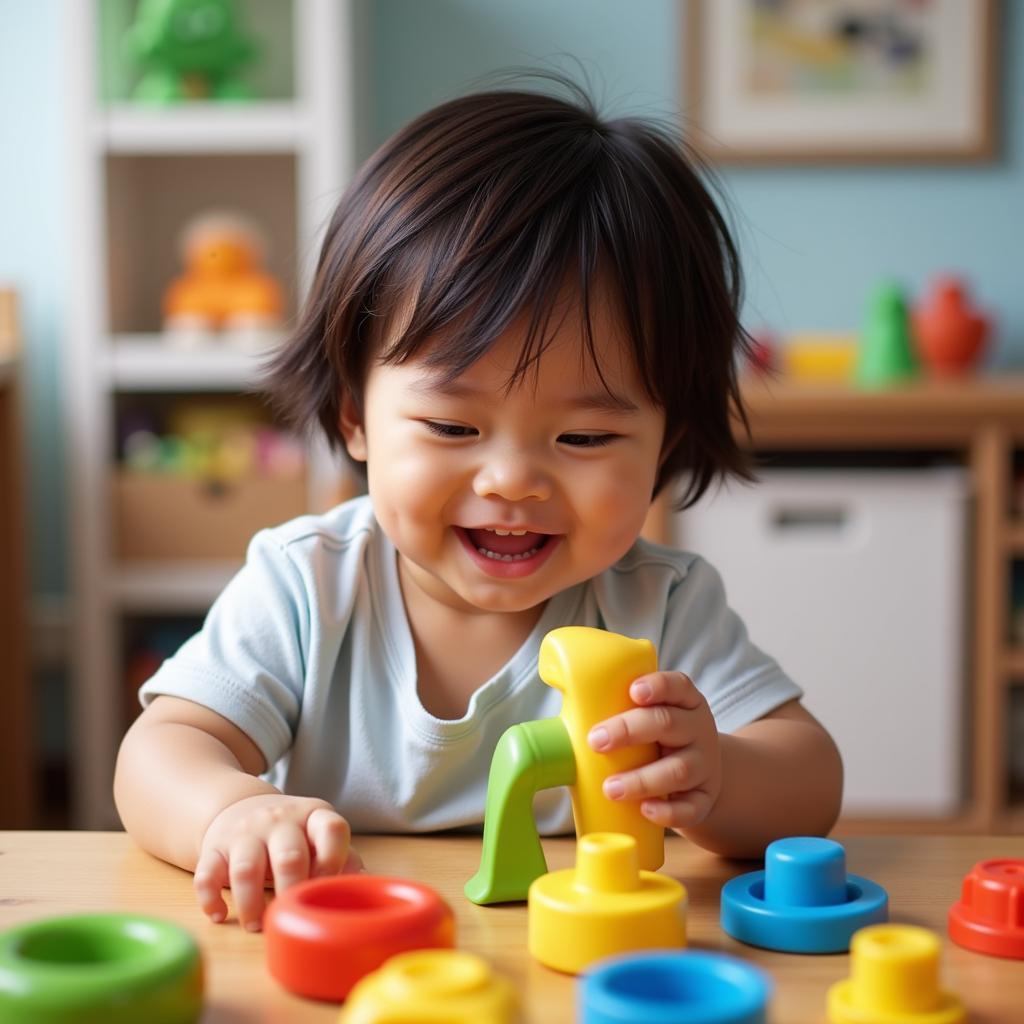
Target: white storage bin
{"type": "Point", "coordinates": [854, 581]}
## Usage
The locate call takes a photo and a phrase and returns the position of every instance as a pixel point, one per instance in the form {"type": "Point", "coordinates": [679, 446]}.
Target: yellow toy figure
{"type": "Point", "coordinates": [224, 286]}
{"type": "Point", "coordinates": [593, 668]}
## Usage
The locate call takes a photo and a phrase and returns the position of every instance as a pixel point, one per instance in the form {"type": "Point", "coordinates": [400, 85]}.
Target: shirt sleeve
{"type": "Point", "coordinates": [248, 661]}
{"type": "Point", "coordinates": [708, 641]}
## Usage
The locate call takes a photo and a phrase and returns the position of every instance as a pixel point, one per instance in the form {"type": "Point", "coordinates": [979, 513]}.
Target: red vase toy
{"type": "Point", "coordinates": [949, 333]}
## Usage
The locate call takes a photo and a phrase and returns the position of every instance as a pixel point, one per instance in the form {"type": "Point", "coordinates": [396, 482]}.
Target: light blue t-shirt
{"type": "Point", "coordinates": [309, 652]}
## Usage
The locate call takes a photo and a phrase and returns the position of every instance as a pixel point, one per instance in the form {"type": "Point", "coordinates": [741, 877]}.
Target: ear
{"type": "Point", "coordinates": [352, 429]}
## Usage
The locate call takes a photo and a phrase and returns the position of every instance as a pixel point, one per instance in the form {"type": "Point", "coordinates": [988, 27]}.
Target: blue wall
{"type": "Point", "coordinates": [814, 239]}
{"type": "Point", "coordinates": [32, 244]}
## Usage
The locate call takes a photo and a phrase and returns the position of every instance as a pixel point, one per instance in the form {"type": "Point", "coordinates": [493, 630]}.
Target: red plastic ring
{"type": "Point", "coordinates": [990, 915]}
{"type": "Point", "coordinates": [324, 934]}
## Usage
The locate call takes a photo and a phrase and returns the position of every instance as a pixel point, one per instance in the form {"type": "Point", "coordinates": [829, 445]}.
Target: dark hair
{"type": "Point", "coordinates": [475, 212]}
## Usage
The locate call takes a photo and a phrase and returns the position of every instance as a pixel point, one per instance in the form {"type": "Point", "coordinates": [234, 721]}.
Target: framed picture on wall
{"type": "Point", "coordinates": [841, 80]}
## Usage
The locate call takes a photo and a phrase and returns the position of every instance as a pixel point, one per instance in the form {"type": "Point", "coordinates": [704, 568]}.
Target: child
{"type": "Point", "coordinates": [524, 326]}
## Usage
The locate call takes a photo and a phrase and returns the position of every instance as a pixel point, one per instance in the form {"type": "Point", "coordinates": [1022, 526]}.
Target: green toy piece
{"type": "Point", "coordinates": [100, 969]}
{"type": "Point", "coordinates": [189, 49]}
{"type": "Point", "coordinates": [886, 353]}
{"type": "Point", "coordinates": [529, 757]}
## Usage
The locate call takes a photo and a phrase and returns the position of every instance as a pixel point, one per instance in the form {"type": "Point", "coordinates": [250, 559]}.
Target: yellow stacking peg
{"type": "Point", "coordinates": [593, 669]}
{"type": "Point", "coordinates": [894, 979]}
{"type": "Point", "coordinates": [605, 905]}
{"type": "Point", "coordinates": [432, 986]}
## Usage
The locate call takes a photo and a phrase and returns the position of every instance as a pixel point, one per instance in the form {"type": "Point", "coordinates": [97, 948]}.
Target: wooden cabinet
{"type": "Point", "coordinates": [980, 421]}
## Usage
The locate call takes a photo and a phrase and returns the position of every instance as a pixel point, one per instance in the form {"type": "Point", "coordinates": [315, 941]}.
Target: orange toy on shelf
{"type": "Point", "coordinates": [949, 333]}
{"type": "Point", "coordinates": [224, 286]}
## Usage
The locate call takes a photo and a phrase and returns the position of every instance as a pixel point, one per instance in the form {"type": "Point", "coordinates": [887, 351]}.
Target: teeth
{"type": "Point", "coordinates": [506, 533]}
{"type": "Point", "coordinates": [508, 558]}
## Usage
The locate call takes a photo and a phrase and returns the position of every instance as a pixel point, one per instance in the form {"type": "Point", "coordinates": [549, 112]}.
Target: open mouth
{"type": "Point", "coordinates": [507, 545]}
{"type": "Point", "coordinates": [507, 553]}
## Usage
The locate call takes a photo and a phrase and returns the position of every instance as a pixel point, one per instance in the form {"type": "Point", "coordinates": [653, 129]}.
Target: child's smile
{"type": "Point", "coordinates": [505, 553]}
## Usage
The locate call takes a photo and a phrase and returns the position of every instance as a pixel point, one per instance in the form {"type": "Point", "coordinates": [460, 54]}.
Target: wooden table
{"type": "Point", "coordinates": [48, 873]}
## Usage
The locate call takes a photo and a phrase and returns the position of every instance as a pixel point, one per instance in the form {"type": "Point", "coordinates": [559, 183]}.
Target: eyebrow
{"type": "Point", "coordinates": [601, 401]}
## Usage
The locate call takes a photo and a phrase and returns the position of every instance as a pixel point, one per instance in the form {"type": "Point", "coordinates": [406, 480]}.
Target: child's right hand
{"type": "Point", "coordinates": [269, 837]}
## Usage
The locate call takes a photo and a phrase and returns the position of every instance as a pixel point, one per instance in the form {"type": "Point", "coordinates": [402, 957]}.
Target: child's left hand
{"type": "Point", "coordinates": [680, 788]}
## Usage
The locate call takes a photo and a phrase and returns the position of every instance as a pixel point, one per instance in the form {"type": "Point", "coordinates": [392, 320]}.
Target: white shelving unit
{"type": "Point", "coordinates": [136, 172]}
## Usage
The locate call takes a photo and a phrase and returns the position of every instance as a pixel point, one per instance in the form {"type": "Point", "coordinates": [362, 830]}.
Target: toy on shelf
{"type": "Point", "coordinates": [949, 333]}
{"type": "Point", "coordinates": [763, 354]}
{"type": "Point", "coordinates": [115, 968]}
{"type": "Point", "coordinates": [886, 354]}
{"type": "Point", "coordinates": [593, 669]}
{"type": "Point", "coordinates": [820, 356]}
{"type": "Point", "coordinates": [989, 917]}
{"type": "Point", "coordinates": [432, 986]}
{"type": "Point", "coordinates": [215, 442]}
{"type": "Point", "coordinates": [666, 988]}
{"type": "Point", "coordinates": [602, 906]}
{"type": "Point", "coordinates": [894, 979]}
{"type": "Point", "coordinates": [189, 50]}
{"type": "Point", "coordinates": [324, 934]}
{"type": "Point", "coordinates": [803, 901]}
{"type": "Point", "coordinates": [224, 286]}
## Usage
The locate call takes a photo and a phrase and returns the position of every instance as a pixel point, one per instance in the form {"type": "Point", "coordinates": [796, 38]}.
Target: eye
{"type": "Point", "coordinates": [448, 429]}
{"type": "Point", "coordinates": [587, 440]}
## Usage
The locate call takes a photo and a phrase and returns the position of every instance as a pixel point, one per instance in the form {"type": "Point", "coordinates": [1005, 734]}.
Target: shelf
{"type": "Point", "coordinates": [170, 587]}
{"type": "Point", "coordinates": [1013, 664]}
{"type": "Point", "coordinates": [1013, 538]}
{"type": "Point", "coordinates": [203, 128]}
{"type": "Point", "coordinates": [145, 362]}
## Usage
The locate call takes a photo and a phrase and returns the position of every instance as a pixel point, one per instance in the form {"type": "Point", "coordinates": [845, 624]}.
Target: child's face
{"type": "Point", "coordinates": [447, 467]}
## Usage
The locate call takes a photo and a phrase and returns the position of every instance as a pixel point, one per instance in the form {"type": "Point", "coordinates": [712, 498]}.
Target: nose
{"type": "Point", "coordinates": [512, 475]}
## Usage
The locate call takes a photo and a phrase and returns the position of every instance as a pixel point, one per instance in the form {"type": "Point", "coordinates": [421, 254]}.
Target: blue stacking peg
{"type": "Point", "coordinates": [803, 901]}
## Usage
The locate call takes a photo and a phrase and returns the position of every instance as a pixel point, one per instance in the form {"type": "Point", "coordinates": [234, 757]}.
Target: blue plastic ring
{"type": "Point", "coordinates": [825, 929]}
{"type": "Point", "coordinates": [670, 987]}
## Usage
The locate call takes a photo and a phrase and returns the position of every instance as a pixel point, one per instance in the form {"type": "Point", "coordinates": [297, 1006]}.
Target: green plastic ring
{"type": "Point", "coordinates": [100, 969]}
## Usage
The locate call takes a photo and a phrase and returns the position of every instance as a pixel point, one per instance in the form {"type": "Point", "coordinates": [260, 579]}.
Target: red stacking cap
{"type": "Point", "coordinates": [990, 915]}
{"type": "Point", "coordinates": [324, 934]}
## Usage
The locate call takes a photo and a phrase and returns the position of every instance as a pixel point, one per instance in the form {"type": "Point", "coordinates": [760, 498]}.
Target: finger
{"type": "Point", "coordinates": [666, 688]}
{"type": "Point", "coordinates": [289, 855]}
{"type": "Point", "coordinates": [353, 863]}
{"type": "Point", "coordinates": [663, 723]}
{"type": "Point", "coordinates": [211, 877]}
{"type": "Point", "coordinates": [679, 811]}
{"type": "Point", "coordinates": [329, 835]}
{"type": "Point", "coordinates": [677, 772]}
{"type": "Point", "coordinates": [247, 869]}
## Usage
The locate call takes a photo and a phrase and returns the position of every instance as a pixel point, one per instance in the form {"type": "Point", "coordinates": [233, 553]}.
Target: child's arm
{"type": "Point", "coordinates": [731, 793]}
{"type": "Point", "coordinates": [186, 789]}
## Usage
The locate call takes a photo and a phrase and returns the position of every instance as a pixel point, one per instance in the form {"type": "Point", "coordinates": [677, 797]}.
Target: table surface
{"type": "Point", "coordinates": [48, 873]}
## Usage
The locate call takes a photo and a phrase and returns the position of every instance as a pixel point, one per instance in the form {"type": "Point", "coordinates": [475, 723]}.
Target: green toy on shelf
{"type": "Point", "coordinates": [886, 352]}
{"type": "Point", "coordinates": [189, 50]}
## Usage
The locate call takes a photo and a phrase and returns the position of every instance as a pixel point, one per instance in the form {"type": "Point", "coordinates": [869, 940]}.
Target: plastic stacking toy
{"type": "Point", "coordinates": [886, 353]}
{"type": "Point", "coordinates": [949, 332]}
{"type": "Point", "coordinates": [432, 986]}
{"type": "Point", "coordinates": [803, 901]}
{"type": "Point", "coordinates": [669, 988]}
{"type": "Point", "coordinates": [990, 915]}
{"type": "Point", "coordinates": [114, 968]}
{"type": "Point", "coordinates": [894, 979]}
{"type": "Point", "coordinates": [324, 934]}
{"type": "Point", "coordinates": [604, 905]}
{"type": "Point", "coordinates": [593, 668]}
